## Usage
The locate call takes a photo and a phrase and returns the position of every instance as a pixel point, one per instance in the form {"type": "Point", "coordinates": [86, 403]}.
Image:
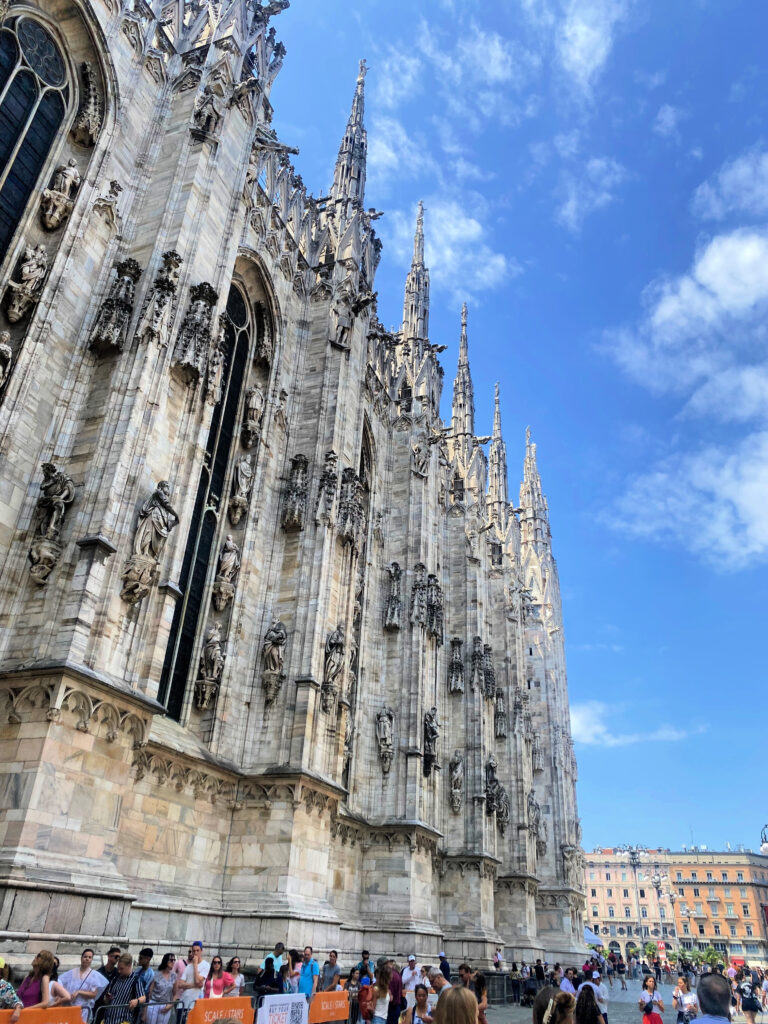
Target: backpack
{"type": "Point", "coordinates": [366, 1001]}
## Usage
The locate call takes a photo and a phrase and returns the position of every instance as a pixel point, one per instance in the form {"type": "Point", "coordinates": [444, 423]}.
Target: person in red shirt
{"type": "Point", "coordinates": [218, 983]}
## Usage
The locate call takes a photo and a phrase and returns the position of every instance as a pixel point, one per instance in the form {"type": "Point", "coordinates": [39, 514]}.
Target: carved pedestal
{"type": "Point", "coordinates": [223, 593]}
{"type": "Point", "coordinates": [205, 693]}
{"type": "Point", "coordinates": [138, 576]}
{"type": "Point", "coordinates": [327, 696]}
{"type": "Point", "coordinates": [237, 509]}
{"type": "Point", "coordinates": [43, 554]}
{"type": "Point", "coordinates": [271, 683]}
{"type": "Point", "coordinates": [55, 207]}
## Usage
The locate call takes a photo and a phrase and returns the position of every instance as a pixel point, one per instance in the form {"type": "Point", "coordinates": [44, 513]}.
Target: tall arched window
{"type": "Point", "coordinates": [34, 93]}
{"type": "Point", "coordinates": [209, 506]}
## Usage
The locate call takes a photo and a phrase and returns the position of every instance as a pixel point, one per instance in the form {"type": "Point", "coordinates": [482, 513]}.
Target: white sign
{"type": "Point", "coordinates": [288, 1009]}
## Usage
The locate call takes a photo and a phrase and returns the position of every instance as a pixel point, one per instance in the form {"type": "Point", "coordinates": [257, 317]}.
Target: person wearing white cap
{"type": "Point", "coordinates": [445, 967]}
{"type": "Point", "coordinates": [601, 993]}
{"type": "Point", "coordinates": [411, 976]}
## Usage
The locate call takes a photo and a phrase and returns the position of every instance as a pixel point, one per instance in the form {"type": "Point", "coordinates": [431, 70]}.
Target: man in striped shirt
{"type": "Point", "coordinates": [125, 993]}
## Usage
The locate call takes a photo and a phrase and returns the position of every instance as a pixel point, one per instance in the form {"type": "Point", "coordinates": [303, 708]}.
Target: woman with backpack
{"type": "Point", "coordinates": [374, 999]}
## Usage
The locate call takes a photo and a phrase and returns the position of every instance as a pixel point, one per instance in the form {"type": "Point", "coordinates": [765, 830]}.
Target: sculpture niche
{"type": "Point", "coordinates": [156, 519]}
{"type": "Point", "coordinates": [57, 492]}
{"type": "Point", "coordinates": [58, 200]}
{"type": "Point", "coordinates": [334, 663]}
{"type": "Point", "coordinates": [211, 666]}
{"type": "Point", "coordinates": [385, 721]}
{"type": "Point", "coordinates": [273, 655]}
{"type": "Point", "coordinates": [24, 293]}
{"type": "Point", "coordinates": [226, 577]}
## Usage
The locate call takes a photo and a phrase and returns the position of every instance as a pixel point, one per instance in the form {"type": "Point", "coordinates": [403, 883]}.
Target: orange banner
{"type": "Point", "coordinates": [53, 1015]}
{"type": "Point", "coordinates": [327, 1006]}
{"type": "Point", "coordinates": [207, 1010]}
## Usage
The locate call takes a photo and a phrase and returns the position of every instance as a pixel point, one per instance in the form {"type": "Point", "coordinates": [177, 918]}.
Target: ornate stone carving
{"type": "Point", "coordinates": [280, 416]}
{"type": "Point", "coordinates": [537, 755]}
{"type": "Point", "coordinates": [326, 492]}
{"type": "Point", "coordinates": [573, 874]}
{"type": "Point", "coordinates": [208, 112]}
{"type": "Point", "coordinates": [58, 200]}
{"type": "Point", "coordinates": [341, 316]}
{"type": "Point", "coordinates": [419, 595]}
{"type": "Point", "coordinates": [477, 677]}
{"type": "Point", "coordinates": [435, 610]}
{"type": "Point", "coordinates": [252, 415]}
{"type": "Point", "coordinates": [456, 667]}
{"type": "Point", "coordinates": [394, 602]}
{"type": "Point", "coordinates": [156, 319]}
{"type": "Point", "coordinates": [211, 666]}
{"type": "Point", "coordinates": [24, 293]}
{"type": "Point", "coordinates": [273, 655]}
{"type": "Point", "coordinates": [351, 522]}
{"type": "Point", "coordinates": [57, 492]}
{"type": "Point", "coordinates": [542, 839]}
{"type": "Point", "coordinates": [87, 124]}
{"type": "Point", "coordinates": [295, 504]}
{"type": "Point", "coordinates": [385, 723]}
{"type": "Point", "coordinates": [420, 453]}
{"type": "Point", "coordinates": [496, 799]}
{"type": "Point", "coordinates": [214, 373]}
{"type": "Point", "coordinates": [6, 358]}
{"type": "Point", "coordinates": [193, 343]}
{"type": "Point", "coordinates": [534, 813]}
{"type": "Point", "coordinates": [456, 767]}
{"type": "Point", "coordinates": [489, 673]}
{"type": "Point", "coordinates": [156, 519]}
{"type": "Point", "coordinates": [500, 716]}
{"type": "Point", "coordinates": [332, 668]}
{"type": "Point", "coordinates": [242, 482]}
{"type": "Point", "coordinates": [108, 333]}
{"type": "Point", "coordinates": [431, 736]}
{"type": "Point", "coordinates": [226, 577]}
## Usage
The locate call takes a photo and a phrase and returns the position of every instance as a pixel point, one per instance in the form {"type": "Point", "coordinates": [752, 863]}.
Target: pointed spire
{"type": "Point", "coordinates": [496, 414]}
{"type": "Point", "coordinates": [349, 175]}
{"type": "Point", "coordinates": [497, 470]}
{"type": "Point", "coordinates": [463, 410]}
{"type": "Point", "coordinates": [416, 301]}
{"type": "Point", "coordinates": [535, 514]}
{"type": "Point", "coordinates": [463, 347]}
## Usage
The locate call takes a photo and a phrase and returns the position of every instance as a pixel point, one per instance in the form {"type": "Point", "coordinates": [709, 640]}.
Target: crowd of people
{"type": "Point", "coordinates": [383, 992]}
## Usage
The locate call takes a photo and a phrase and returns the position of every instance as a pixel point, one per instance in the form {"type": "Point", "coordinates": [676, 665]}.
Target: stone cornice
{"type": "Point", "coordinates": [86, 675]}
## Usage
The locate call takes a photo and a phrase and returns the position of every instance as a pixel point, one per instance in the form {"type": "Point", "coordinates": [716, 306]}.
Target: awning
{"type": "Point", "coordinates": [589, 936]}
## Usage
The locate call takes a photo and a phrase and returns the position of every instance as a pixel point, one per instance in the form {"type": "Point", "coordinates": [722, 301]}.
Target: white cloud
{"type": "Point", "coordinates": [394, 154]}
{"type": "Point", "coordinates": [585, 37]}
{"type": "Point", "coordinates": [399, 78]}
{"type": "Point", "coordinates": [599, 648]}
{"type": "Point", "coordinates": [459, 255]}
{"type": "Point", "coordinates": [588, 190]}
{"type": "Point", "coordinates": [712, 502]}
{"type": "Point", "coordinates": [591, 725]}
{"type": "Point", "coordinates": [667, 120]}
{"type": "Point", "coordinates": [740, 186]}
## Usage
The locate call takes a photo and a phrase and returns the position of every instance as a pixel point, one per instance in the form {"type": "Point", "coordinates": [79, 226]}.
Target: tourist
{"type": "Point", "coordinates": [601, 993]}
{"type": "Point", "coordinates": [438, 981]}
{"type": "Point", "coordinates": [365, 966]}
{"type": "Point", "coordinates": [308, 973]}
{"type": "Point", "coordinates": [267, 973]}
{"type": "Point", "coordinates": [284, 980]}
{"type": "Point", "coordinates": [124, 990]}
{"type": "Point", "coordinates": [650, 993]}
{"type": "Point", "coordinates": [84, 983]}
{"type": "Point", "coordinates": [539, 974]}
{"type": "Point", "coordinates": [352, 987]}
{"type": "Point", "coordinates": [331, 973]}
{"type": "Point", "coordinates": [553, 1006]}
{"type": "Point", "coordinates": [566, 984]}
{"type": "Point", "coordinates": [190, 986]}
{"type": "Point", "coordinates": [649, 1014]}
{"type": "Point", "coordinates": [746, 990]}
{"type": "Point", "coordinates": [498, 959]}
{"type": "Point", "coordinates": [515, 978]}
{"type": "Point", "coordinates": [609, 969]}
{"type": "Point", "coordinates": [480, 988]}
{"type": "Point", "coordinates": [421, 1009]}
{"type": "Point", "coordinates": [233, 968]}
{"type": "Point", "coordinates": [161, 991]}
{"type": "Point", "coordinates": [382, 993]}
{"type": "Point", "coordinates": [621, 970]}
{"type": "Point", "coordinates": [714, 994]}
{"type": "Point", "coordinates": [457, 1006]}
{"type": "Point", "coordinates": [144, 971]}
{"type": "Point", "coordinates": [397, 1002]}
{"type": "Point", "coordinates": [684, 1001]}
{"type": "Point", "coordinates": [40, 989]}
{"type": "Point", "coordinates": [586, 1010]}
{"type": "Point", "coordinates": [109, 970]}
{"type": "Point", "coordinates": [8, 998]}
{"type": "Point", "coordinates": [218, 983]}
{"type": "Point", "coordinates": [445, 967]}
{"type": "Point", "coordinates": [411, 976]}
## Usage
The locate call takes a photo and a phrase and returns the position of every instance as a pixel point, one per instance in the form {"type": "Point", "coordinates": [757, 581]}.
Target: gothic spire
{"type": "Point", "coordinates": [497, 469]}
{"type": "Point", "coordinates": [349, 175]}
{"type": "Point", "coordinates": [416, 302]}
{"type": "Point", "coordinates": [463, 410]}
{"type": "Point", "coordinates": [535, 514]}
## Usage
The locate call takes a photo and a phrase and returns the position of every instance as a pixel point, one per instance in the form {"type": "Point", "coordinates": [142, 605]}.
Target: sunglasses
{"type": "Point", "coordinates": [217, 962]}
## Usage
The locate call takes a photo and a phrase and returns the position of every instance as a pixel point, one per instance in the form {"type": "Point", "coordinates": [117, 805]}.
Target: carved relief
{"type": "Point", "coordinates": [332, 668]}
{"type": "Point", "coordinates": [58, 200]}
{"type": "Point", "coordinates": [431, 736]}
{"type": "Point", "coordinates": [273, 656]}
{"type": "Point", "coordinates": [435, 610]}
{"type": "Point", "coordinates": [156, 519]}
{"type": "Point", "coordinates": [385, 723]}
{"type": "Point", "coordinates": [108, 333]}
{"type": "Point", "coordinates": [87, 124]}
{"type": "Point", "coordinates": [456, 768]}
{"type": "Point", "coordinates": [394, 602]}
{"type": "Point", "coordinates": [194, 340]}
{"type": "Point", "coordinates": [351, 522]}
{"type": "Point", "coordinates": [156, 319]}
{"type": "Point", "coordinates": [208, 112]}
{"type": "Point", "coordinates": [226, 577]}
{"type": "Point", "coordinates": [420, 453]}
{"type": "Point", "coordinates": [211, 666]}
{"type": "Point", "coordinates": [500, 717]}
{"type": "Point", "coordinates": [242, 482]}
{"type": "Point", "coordinates": [57, 492]}
{"type": "Point", "coordinates": [22, 295]}
{"type": "Point", "coordinates": [326, 494]}
{"type": "Point", "coordinates": [419, 596]}
{"type": "Point", "coordinates": [456, 667]}
{"type": "Point", "coordinates": [280, 416]}
{"type": "Point", "coordinates": [478, 664]}
{"type": "Point", "coordinates": [295, 504]}
{"type": "Point", "coordinates": [489, 673]}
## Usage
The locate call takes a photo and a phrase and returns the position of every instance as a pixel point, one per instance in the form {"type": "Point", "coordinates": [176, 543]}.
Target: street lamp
{"type": "Point", "coordinates": [635, 855]}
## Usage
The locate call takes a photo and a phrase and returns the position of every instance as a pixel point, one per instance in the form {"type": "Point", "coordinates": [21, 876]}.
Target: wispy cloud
{"type": "Point", "coordinates": [591, 725]}
{"type": "Point", "coordinates": [588, 189]}
{"type": "Point", "coordinates": [739, 187]}
{"type": "Point", "coordinates": [396, 155]}
{"type": "Point", "coordinates": [667, 120]}
{"type": "Point", "coordinates": [598, 648]}
{"type": "Point", "coordinates": [585, 36]}
{"type": "Point", "coordinates": [399, 78]}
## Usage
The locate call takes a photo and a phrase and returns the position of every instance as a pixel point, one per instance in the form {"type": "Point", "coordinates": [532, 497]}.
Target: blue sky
{"type": "Point", "coordinates": [595, 177]}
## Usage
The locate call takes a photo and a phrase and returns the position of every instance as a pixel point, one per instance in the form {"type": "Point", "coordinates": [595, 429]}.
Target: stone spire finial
{"type": "Point", "coordinates": [497, 469]}
{"type": "Point", "coordinates": [416, 301]}
{"type": "Point", "coordinates": [418, 238]}
{"type": "Point", "coordinates": [532, 500]}
{"type": "Point", "coordinates": [463, 410]}
{"type": "Point", "coordinates": [496, 413]}
{"type": "Point", "coordinates": [349, 175]}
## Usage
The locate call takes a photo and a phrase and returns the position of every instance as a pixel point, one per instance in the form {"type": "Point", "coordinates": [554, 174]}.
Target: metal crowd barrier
{"type": "Point", "coordinates": [177, 1015]}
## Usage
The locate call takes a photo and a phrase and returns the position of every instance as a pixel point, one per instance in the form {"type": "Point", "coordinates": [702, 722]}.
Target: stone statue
{"type": "Point", "coordinates": [534, 813]}
{"type": "Point", "coordinates": [456, 767]}
{"type": "Point", "coordinates": [254, 410]}
{"type": "Point", "coordinates": [57, 492]}
{"type": "Point", "coordinates": [156, 319]}
{"type": "Point", "coordinates": [281, 414]}
{"type": "Point", "coordinates": [419, 596]}
{"type": "Point", "coordinates": [394, 603]}
{"type": "Point", "coordinates": [478, 664]}
{"type": "Point", "coordinates": [334, 663]}
{"type": "Point", "coordinates": [156, 519]}
{"type": "Point", "coordinates": [456, 667]}
{"type": "Point", "coordinates": [273, 655]}
{"type": "Point", "coordinates": [542, 839]}
{"type": "Point", "coordinates": [326, 493]}
{"type": "Point", "coordinates": [242, 482]}
{"type": "Point", "coordinates": [6, 357]}
{"type": "Point", "coordinates": [23, 294]}
{"type": "Point", "coordinates": [489, 673]}
{"type": "Point", "coordinates": [108, 333]}
{"type": "Point", "coordinates": [211, 667]}
{"type": "Point", "coordinates": [571, 873]}
{"type": "Point", "coordinates": [58, 200]}
{"type": "Point", "coordinates": [295, 506]}
{"type": "Point", "coordinates": [385, 721]}
{"type": "Point", "coordinates": [431, 735]}
{"type": "Point", "coordinates": [214, 374]}
{"type": "Point", "coordinates": [226, 577]}
{"type": "Point", "coordinates": [350, 527]}
{"type": "Point", "coordinates": [435, 610]}
{"type": "Point", "coordinates": [193, 343]}
{"type": "Point", "coordinates": [500, 716]}
{"type": "Point", "coordinates": [420, 454]}
{"type": "Point", "coordinates": [208, 112]}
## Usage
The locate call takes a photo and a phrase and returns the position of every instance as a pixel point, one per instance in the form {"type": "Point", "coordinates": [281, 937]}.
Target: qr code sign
{"type": "Point", "coordinates": [296, 1013]}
